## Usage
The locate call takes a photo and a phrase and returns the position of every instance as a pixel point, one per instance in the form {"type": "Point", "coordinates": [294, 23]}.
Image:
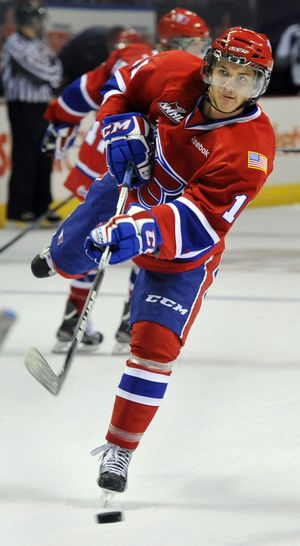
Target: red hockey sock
{"type": "Point", "coordinates": [143, 383]}
{"type": "Point", "coordinates": [139, 395]}
{"type": "Point", "coordinates": [79, 290]}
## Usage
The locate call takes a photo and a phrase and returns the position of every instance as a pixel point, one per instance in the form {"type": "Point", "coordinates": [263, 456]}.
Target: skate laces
{"type": "Point", "coordinates": [115, 459]}
{"type": "Point", "coordinates": [45, 255]}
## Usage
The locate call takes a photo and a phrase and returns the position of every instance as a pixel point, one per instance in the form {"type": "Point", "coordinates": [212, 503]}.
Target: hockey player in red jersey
{"type": "Point", "coordinates": [183, 29]}
{"type": "Point", "coordinates": [214, 149]}
{"type": "Point", "coordinates": [177, 29]}
{"type": "Point", "coordinates": [64, 115]}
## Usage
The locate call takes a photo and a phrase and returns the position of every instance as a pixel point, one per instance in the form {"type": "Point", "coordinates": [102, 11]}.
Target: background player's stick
{"type": "Point", "coordinates": [35, 224]}
{"type": "Point", "coordinates": [7, 319]}
{"type": "Point", "coordinates": [36, 364]}
{"type": "Point", "coordinates": [287, 150]}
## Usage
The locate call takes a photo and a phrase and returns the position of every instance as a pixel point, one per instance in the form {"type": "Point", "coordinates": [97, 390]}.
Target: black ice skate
{"type": "Point", "coordinates": [41, 265]}
{"type": "Point", "coordinates": [113, 468]}
{"type": "Point", "coordinates": [122, 335]}
{"type": "Point", "coordinates": [91, 339]}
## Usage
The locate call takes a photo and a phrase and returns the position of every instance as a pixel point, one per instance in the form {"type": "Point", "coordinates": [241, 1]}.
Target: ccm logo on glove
{"type": "Point", "coordinates": [128, 139]}
{"type": "Point", "coordinates": [117, 126]}
{"type": "Point", "coordinates": [128, 236]}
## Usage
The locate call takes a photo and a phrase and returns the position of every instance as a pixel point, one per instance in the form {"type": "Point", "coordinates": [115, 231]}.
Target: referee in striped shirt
{"type": "Point", "coordinates": [30, 73]}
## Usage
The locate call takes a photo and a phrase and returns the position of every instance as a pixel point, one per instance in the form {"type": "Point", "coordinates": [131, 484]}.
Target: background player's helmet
{"type": "Point", "coordinates": [28, 10]}
{"type": "Point", "coordinates": [245, 47]}
{"type": "Point", "coordinates": [127, 36]}
{"type": "Point", "coordinates": [178, 28]}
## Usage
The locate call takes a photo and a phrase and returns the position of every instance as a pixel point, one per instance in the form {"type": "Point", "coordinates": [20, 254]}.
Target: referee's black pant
{"type": "Point", "coordinates": [29, 185]}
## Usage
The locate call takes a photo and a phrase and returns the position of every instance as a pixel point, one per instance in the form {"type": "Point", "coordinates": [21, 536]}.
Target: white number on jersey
{"type": "Point", "coordinates": [230, 214]}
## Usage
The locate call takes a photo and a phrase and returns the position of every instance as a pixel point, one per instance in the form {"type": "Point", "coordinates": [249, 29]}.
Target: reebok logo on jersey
{"type": "Point", "coordinates": [153, 298]}
{"type": "Point", "coordinates": [200, 146]}
{"type": "Point", "coordinates": [172, 110]}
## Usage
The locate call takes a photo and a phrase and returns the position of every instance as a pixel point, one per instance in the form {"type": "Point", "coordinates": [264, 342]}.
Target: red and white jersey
{"type": "Point", "coordinates": [83, 95]}
{"type": "Point", "coordinates": [77, 100]}
{"type": "Point", "coordinates": [205, 172]}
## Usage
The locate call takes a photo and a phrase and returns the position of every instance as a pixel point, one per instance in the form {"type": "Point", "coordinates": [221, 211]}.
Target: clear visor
{"type": "Point", "coordinates": [196, 46]}
{"type": "Point", "coordinates": [235, 74]}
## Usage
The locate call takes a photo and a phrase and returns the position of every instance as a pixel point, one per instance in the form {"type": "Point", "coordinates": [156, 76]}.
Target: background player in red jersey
{"type": "Point", "coordinates": [183, 29]}
{"type": "Point", "coordinates": [177, 29]}
{"type": "Point", "coordinates": [214, 150]}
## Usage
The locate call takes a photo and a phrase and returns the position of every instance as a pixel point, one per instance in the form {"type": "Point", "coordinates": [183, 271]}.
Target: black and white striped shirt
{"type": "Point", "coordinates": [30, 69]}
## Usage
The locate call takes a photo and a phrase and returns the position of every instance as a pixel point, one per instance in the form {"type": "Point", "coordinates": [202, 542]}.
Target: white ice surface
{"type": "Point", "coordinates": [220, 464]}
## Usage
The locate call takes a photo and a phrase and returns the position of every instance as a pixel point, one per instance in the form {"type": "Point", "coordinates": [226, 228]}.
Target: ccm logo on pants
{"type": "Point", "coordinates": [152, 298]}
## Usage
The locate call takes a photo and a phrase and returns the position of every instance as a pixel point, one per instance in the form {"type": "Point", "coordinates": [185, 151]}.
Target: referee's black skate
{"type": "Point", "coordinates": [91, 339]}
{"type": "Point", "coordinates": [113, 468]}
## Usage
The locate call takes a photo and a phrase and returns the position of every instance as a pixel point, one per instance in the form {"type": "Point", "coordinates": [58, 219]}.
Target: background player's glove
{"type": "Point", "coordinates": [127, 138]}
{"type": "Point", "coordinates": [58, 139]}
{"type": "Point", "coordinates": [128, 236]}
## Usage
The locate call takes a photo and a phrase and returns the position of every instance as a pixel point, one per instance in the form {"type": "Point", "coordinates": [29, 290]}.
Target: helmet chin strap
{"type": "Point", "coordinates": [207, 97]}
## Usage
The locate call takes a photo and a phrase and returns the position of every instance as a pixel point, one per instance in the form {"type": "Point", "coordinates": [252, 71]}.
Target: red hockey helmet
{"type": "Point", "coordinates": [128, 36]}
{"type": "Point", "coordinates": [245, 47]}
{"type": "Point", "coordinates": [177, 28]}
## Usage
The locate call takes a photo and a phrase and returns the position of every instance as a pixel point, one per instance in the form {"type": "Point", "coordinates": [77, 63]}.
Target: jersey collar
{"type": "Point", "coordinates": [195, 119]}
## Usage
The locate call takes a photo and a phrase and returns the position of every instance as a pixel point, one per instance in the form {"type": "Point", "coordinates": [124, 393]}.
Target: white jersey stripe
{"type": "Point", "coordinates": [85, 94]}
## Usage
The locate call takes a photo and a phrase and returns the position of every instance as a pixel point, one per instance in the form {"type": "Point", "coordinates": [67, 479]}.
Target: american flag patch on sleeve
{"type": "Point", "coordinates": [257, 161]}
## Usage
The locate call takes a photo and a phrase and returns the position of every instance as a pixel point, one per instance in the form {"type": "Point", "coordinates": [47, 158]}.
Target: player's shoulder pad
{"type": "Point", "coordinates": [177, 61]}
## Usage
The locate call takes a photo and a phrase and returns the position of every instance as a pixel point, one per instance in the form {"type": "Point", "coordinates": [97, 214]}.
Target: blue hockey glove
{"type": "Point", "coordinates": [127, 236]}
{"type": "Point", "coordinates": [58, 139]}
{"type": "Point", "coordinates": [127, 138]}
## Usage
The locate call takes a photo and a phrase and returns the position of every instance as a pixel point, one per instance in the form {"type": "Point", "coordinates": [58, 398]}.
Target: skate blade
{"type": "Point", "coordinates": [121, 349]}
{"type": "Point", "coordinates": [106, 497]}
{"type": "Point", "coordinates": [62, 347]}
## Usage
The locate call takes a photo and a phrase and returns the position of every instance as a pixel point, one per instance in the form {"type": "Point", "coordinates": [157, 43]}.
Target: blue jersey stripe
{"type": "Point", "coordinates": [73, 98]}
{"type": "Point", "coordinates": [195, 237]}
{"type": "Point", "coordinates": [110, 85]}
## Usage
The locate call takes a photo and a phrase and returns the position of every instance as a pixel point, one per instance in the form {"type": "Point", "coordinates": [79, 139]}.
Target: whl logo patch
{"type": "Point", "coordinates": [172, 110]}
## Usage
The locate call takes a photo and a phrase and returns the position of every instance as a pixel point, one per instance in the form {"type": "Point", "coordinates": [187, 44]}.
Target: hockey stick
{"type": "Point", "coordinates": [35, 363]}
{"type": "Point", "coordinates": [34, 224]}
{"type": "Point", "coordinates": [287, 150]}
{"type": "Point", "coordinates": [7, 319]}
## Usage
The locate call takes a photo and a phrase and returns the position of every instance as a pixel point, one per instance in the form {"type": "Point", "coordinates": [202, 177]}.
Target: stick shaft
{"type": "Point", "coordinates": [36, 364]}
{"type": "Point", "coordinates": [35, 224]}
{"type": "Point", "coordinates": [90, 300]}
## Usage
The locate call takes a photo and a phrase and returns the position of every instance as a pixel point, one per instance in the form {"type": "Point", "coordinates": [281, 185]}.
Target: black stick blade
{"type": "Point", "coordinates": [38, 366]}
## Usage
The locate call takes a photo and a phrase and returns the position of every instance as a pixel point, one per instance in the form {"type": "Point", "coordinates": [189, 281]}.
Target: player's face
{"type": "Point", "coordinates": [231, 86]}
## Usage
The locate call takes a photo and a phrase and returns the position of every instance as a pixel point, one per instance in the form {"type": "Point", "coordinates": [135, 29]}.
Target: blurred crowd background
{"type": "Point", "coordinates": [280, 21]}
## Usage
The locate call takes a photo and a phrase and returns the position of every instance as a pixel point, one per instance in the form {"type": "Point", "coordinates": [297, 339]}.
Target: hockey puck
{"type": "Point", "coordinates": [109, 517]}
